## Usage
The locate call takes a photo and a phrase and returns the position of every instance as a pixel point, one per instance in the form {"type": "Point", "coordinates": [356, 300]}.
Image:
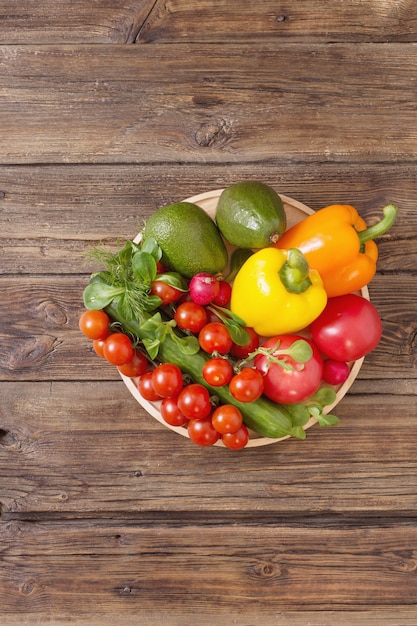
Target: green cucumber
{"type": "Point", "coordinates": [264, 417]}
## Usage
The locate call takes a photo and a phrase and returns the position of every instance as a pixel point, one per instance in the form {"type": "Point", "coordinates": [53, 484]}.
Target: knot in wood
{"type": "Point", "coordinates": [267, 569]}
{"type": "Point", "coordinates": [27, 588]}
{"type": "Point", "coordinates": [210, 133]}
{"type": "Point", "coordinates": [31, 351]}
{"type": "Point", "coordinates": [54, 313]}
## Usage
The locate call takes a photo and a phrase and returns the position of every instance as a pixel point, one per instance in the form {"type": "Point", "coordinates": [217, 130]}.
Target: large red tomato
{"type": "Point", "coordinates": [289, 381]}
{"type": "Point", "coordinates": [348, 328]}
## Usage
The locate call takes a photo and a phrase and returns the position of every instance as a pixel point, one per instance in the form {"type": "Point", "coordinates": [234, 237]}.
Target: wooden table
{"type": "Point", "coordinates": [109, 110]}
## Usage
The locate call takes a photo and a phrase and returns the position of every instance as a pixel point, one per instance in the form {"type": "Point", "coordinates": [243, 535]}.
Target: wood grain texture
{"type": "Point", "coordinates": [80, 22]}
{"type": "Point", "coordinates": [51, 216]}
{"type": "Point", "coordinates": [87, 449]}
{"type": "Point", "coordinates": [107, 517]}
{"type": "Point", "coordinates": [130, 104]}
{"type": "Point", "coordinates": [304, 20]}
{"type": "Point", "coordinates": [127, 569]}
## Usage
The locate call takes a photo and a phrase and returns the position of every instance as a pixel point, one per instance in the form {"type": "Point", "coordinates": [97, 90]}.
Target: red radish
{"type": "Point", "coordinates": [335, 372]}
{"type": "Point", "coordinates": [204, 287]}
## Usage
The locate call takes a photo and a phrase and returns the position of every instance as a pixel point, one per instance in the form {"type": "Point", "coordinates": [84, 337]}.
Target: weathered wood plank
{"type": "Point", "coordinates": [40, 339]}
{"type": "Point", "coordinates": [89, 450]}
{"type": "Point", "coordinates": [306, 20]}
{"type": "Point", "coordinates": [51, 215]}
{"type": "Point", "coordinates": [80, 22]}
{"type": "Point", "coordinates": [115, 104]}
{"type": "Point", "coordinates": [180, 616]}
{"type": "Point", "coordinates": [218, 571]}
{"type": "Point", "coordinates": [56, 21]}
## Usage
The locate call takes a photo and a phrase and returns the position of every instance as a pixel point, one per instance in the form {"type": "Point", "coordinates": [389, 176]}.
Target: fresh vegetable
{"type": "Point", "coordinates": [117, 349]}
{"type": "Point", "coordinates": [214, 337]}
{"type": "Point", "coordinates": [136, 366]}
{"type": "Point", "coordinates": [348, 328]}
{"type": "Point", "coordinates": [189, 239]}
{"type": "Point", "coordinates": [165, 291]}
{"type": "Point", "coordinates": [98, 346]}
{"type": "Point", "coordinates": [94, 324]}
{"type": "Point", "coordinates": [123, 289]}
{"type": "Point", "coordinates": [202, 432]}
{"type": "Point", "coordinates": [217, 372]}
{"type": "Point", "coordinates": [226, 419]}
{"type": "Point", "coordinates": [204, 288]}
{"type": "Point", "coordinates": [171, 413]}
{"type": "Point", "coordinates": [335, 372]}
{"type": "Point", "coordinates": [337, 243]}
{"type": "Point", "coordinates": [190, 316]}
{"type": "Point", "coordinates": [275, 292]}
{"type": "Point", "coordinates": [247, 385]}
{"type": "Point", "coordinates": [250, 214]}
{"type": "Point", "coordinates": [146, 389]}
{"type": "Point", "coordinates": [237, 440]}
{"type": "Point", "coordinates": [194, 401]}
{"type": "Point", "coordinates": [242, 351]}
{"type": "Point", "coordinates": [262, 416]}
{"type": "Point", "coordinates": [167, 380]}
{"type": "Point", "coordinates": [223, 297]}
{"type": "Point", "coordinates": [287, 379]}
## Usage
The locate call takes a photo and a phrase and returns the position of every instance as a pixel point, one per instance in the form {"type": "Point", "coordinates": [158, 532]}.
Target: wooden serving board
{"type": "Point", "coordinates": [295, 212]}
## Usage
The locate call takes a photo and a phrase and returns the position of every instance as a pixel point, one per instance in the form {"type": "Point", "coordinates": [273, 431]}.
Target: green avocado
{"type": "Point", "coordinates": [189, 239]}
{"type": "Point", "coordinates": [251, 214]}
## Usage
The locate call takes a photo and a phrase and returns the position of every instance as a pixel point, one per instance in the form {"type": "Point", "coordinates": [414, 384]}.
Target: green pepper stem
{"type": "Point", "coordinates": [294, 274]}
{"type": "Point", "coordinates": [390, 213]}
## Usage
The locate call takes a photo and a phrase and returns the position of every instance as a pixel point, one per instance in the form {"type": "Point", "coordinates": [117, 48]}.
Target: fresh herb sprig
{"type": "Point", "coordinates": [127, 280]}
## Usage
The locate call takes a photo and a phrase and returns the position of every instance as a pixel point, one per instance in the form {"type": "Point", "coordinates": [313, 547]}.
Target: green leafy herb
{"type": "Point", "coordinates": [144, 267]}
{"type": "Point", "coordinates": [174, 279]}
{"type": "Point", "coordinates": [98, 295]}
{"type": "Point", "coordinates": [300, 351]}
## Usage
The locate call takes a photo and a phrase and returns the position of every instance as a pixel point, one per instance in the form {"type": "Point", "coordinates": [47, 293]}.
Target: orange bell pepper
{"type": "Point", "coordinates": [337, 243]}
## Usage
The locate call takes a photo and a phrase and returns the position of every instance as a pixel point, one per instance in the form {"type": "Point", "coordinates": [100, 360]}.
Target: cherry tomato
{"type": "Point", "coordinates": [214, 337]}
{"type": "Point", "coordinates": [167, 380]}
{"type": "Point", "coordinates": [94, 324]}
{"type": "Point", "coordinates": [202, 432]}
{"type": "Point", "coordinates": [348, 328]}
{"type": "Point", "coordinates": [190, 316]}
{"type": "Point", "coordinates": [166, 292]}
{"type": "Point", "coordinates": [224, 295]}
{"type": "Point", "coordinates": [118, 349]}
{"type": "Point", "coordinates": [335, 372]}
{"type": "Point", "coordinates": [136, 367]}
{"type": "Point", "coordinates": [226, 419]}
{"type": "Point", "coordinates": [217, 372]}
{"type": "Point", "coordinates": [146, 389]}
{"type": "Point", "coordinates": [98, 347]}
{"type": "Point", "coordinates": [299, 381]}
{"type": "Point", "coordinates": [247, 386]}
{"type": "Point", "coordinates": [171, 413]}
{"type": "Point", "coordinates": [241, 352]}
{"type": "Point", "coordinates": [194, 402]}
{"type": "Point", "coordinates": [237, 440]}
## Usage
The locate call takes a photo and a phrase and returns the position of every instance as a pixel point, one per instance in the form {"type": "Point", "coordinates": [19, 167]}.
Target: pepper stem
{"type": "Point", "coordinates": [294, 274]}
{"type": "Point", "coordinates": [390, 213]}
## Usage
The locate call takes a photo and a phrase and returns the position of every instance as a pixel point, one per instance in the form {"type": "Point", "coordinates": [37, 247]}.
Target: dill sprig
{"type": "Point", "coordinates": [126, 277]}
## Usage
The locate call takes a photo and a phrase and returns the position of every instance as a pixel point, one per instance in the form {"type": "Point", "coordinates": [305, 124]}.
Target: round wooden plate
{"type": "Point", "coordinates": [295, 212]}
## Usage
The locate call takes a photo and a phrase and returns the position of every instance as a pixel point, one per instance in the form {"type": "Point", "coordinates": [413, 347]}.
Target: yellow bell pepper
{"type": "Point", "coordinates": [276, 293]}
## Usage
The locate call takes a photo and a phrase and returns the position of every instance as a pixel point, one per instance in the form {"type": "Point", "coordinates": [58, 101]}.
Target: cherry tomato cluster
{"type": "Point", "coordinates": [190, 405]}
{"type": "Point", "coordinates": [115, 347]}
